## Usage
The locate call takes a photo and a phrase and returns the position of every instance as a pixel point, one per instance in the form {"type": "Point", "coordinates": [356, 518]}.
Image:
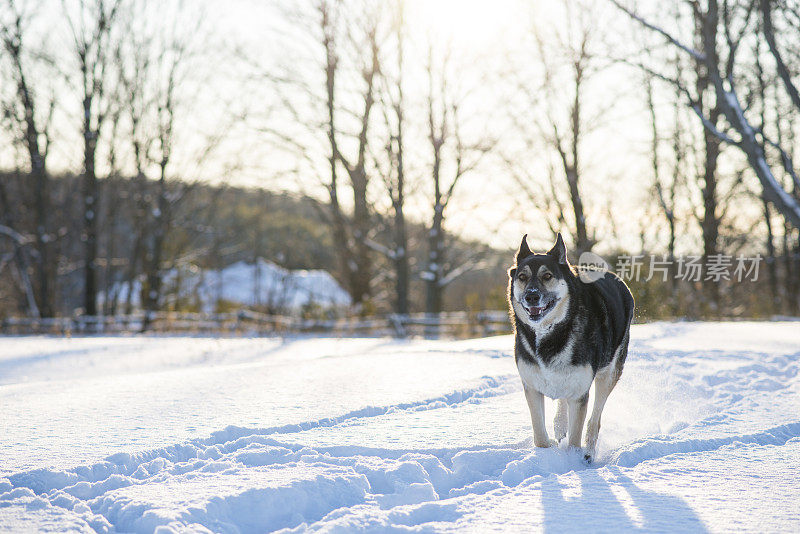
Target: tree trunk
{"type": "Point", "coordinates": [399, 255]}
{"type": "Point", "coordinates": [400, 258]}
{"type": "Point", "coordinates": [90, 202]}
{"type": "Point", "coordinates": [19, 255]}
{"type": "Point", "coordinates": [155, 253]}
{"type": "Point", "coordinates": [37, 156]}
{"type": "Point", "coordinates": [401, 266]}
{"type": "Point", "coordinates": [709, 223]}
{"type": "Point", "coordinates": [111, 222]}
{"type": "Point", "coordinates": [572, 170]}
{"type": "Point", "coordinates": [772, 266]}
{"type": "Point", "coordinates": [348, 264]}
{"type": "Point", "coordinates": [434, 290]}
{"type": "Point", "coordinates": [786, 249]}
{"type": "Point", "coordinates": [796, 275]}
{"type": "Point", "coordinates": [433, 294]}
{"type": "Point", "coordinates": [135, 256]}
{"type": "Point", "coordinates": [361, 226]}
{"type": "Point", "coordinates": [678, 150]}
{"type": "Point", "coordinates": [791, 266]}
{"type": "Point", "coordinates": [362, 276]}
{"type": "Point", "coordinates": [45, 269]}
{"type": "Point", "coordinates": [582, 241]}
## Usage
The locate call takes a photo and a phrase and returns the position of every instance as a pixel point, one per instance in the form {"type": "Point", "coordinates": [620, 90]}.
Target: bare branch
{"type": "Point", "coordinates": [698, 56]}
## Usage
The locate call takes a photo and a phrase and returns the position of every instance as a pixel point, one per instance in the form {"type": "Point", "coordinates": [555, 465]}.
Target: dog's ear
{"type": "Point", "coordinates": [559, 250]}
{"type": "Point", "coordinates": [523, 251]}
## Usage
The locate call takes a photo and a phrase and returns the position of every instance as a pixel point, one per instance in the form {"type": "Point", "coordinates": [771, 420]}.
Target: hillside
{"type": "Point", "coordinates": [213, 227]}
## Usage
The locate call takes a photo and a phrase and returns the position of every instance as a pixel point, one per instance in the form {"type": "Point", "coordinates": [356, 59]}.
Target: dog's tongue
{"type": "Point", "coordinates": [537, 310]}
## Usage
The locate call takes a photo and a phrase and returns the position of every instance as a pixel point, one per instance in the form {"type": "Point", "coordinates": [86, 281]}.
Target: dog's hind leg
{"type": "Point", "coordinates": [536, 406]}
{"type": "Point", "coordinates": [604, 383]}
{"type": "Point", "coordinates": [560, 420]}
{"type": "Point", "coordinates": [576, 409]}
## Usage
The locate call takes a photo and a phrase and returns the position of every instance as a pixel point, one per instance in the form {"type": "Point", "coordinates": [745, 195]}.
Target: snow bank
{"type": "Point", "coordinates": [262, 283]}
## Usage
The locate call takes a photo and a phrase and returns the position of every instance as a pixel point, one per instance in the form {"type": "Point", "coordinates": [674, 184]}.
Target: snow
{"type": "Point", "coordinates": [262, 283]}
{"type": "Point", "coordinates": [198, 434]}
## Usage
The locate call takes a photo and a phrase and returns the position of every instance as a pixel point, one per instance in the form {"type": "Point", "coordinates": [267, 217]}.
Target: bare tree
{"type": "Point", "coordinates": [561, 116]}
{"type": "Point", "coordinates": [771, 260]}
{"type": "Point", "coordinates": [706, 101]}
{"type": "Point", "coordinates": [158, 79]}
{"type": "Point", "coordinates": [454, 156]}
{"type": "Point", "coordinates": [328, 24]}
{"type": "Point", "coordinates": [333, 122]}
{"type": "Point", "coordinates": [113, 199]}
{"type": "Point", "coordinates": [666, 188]}
{"type": "Point", "coordinates": [720, 36]}
{"type": "Point", "coordinates": [134, 58]}
{"type": "Point", "coordinates": [567, 144]}
{"type": "Point", "coordinates": [359, 179]}
{"type": "Point", "coordinates": [91, 24]}
{"type": "Point", "coordinates": [789, 14]}
{"type": "Point", "coordinates": [392, 167]}
{"type": "Point", "coordinates": [709, 213]}
{"type": "Point", "coordinates": [166, 103]}
{"type": "Point", "coordinates": [359, 263]}
{"type": "Point", "coordinates": [31, 117]}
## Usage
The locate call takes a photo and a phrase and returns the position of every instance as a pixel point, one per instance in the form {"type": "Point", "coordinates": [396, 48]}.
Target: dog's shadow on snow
{"type": "Point", "coordinates": [613, 504]}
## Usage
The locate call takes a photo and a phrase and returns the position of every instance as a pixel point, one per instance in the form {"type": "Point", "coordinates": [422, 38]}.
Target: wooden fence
{"type": "Point", "coordinates": [449, 325]}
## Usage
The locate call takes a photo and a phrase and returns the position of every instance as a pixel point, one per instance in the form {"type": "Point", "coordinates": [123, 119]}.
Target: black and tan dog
{"type": "Point", "coordinates": [569, 331]}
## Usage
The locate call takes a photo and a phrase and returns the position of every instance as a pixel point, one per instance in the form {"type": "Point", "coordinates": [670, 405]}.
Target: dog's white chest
{"type": "Point", "coordinates": [559, 381]}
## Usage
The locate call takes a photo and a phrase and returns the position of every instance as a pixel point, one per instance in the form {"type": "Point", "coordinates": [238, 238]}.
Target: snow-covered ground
{"type": "Point", "coordinates": [190, 434]}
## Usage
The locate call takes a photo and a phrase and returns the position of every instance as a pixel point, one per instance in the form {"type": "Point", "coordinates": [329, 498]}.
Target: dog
{"type": "Point", "coordinates": [568, 333]}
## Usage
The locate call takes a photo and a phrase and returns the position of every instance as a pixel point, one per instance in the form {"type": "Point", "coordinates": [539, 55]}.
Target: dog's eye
{"type": "Point", "coordinates": [547, 276]}
{"type": "Point", "coordinates": [522, 277]}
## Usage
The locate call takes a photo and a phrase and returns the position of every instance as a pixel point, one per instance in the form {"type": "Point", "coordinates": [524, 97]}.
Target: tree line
{"type": "Point", "coordinates": [389, 129]}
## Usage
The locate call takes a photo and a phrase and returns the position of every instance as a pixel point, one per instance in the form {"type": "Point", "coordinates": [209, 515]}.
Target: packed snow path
{"type": "Point", "coordinates": [185, 434]}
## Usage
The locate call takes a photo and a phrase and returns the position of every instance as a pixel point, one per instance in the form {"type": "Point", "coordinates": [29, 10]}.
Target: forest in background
{"type": "Point", "coordinates": [215, 226]}
{"type": "Point", "coordinates": [380, 132]}
{"type": "Point", "coordinates": [211, 228]}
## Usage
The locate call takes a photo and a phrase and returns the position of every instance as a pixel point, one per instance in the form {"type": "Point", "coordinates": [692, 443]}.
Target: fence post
{"type": "Point", "coordinates": [397, 321]}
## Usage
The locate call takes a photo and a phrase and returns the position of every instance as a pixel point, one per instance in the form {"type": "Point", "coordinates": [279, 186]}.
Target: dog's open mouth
{"type": "Point", "coordinates": [537, 312]}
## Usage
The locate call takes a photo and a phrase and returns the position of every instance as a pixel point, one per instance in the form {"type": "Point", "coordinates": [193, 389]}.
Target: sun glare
{"type": "Point", "coordinates": [463, 22]}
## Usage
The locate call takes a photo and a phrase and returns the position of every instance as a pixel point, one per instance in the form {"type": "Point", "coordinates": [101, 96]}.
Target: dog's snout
{"type": "Point", "coordinates": [532, 297]}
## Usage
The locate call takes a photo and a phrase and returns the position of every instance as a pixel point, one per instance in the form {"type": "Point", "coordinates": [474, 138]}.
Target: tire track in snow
{"type": "Point", "coordinates": [757, 374]}
{"type": "Point", "coordinates": [640, 451]}
{"type": "Point", "coordinates": [128, 464]}
{"type": "Point", "coordinates": [490, 387]}
{"type": "Point", "coordinates": [91, 490]}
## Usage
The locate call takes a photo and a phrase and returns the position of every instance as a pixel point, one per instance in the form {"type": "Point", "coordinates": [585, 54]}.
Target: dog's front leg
{"type": "Point", "coordinates": [577, 413]}
{"type": "Point", "coordinates": [536, 406]}
{"type": "Point", "coordinates": [561, 420]}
